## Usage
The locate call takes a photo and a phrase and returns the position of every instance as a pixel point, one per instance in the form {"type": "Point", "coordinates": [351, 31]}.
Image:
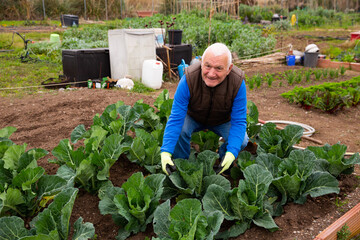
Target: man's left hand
{"type": "Point", "coordinates": [227, 161]}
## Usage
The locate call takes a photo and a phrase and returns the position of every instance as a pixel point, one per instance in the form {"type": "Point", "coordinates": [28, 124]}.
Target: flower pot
{"type": "Point", "coordinates": [174, 36]}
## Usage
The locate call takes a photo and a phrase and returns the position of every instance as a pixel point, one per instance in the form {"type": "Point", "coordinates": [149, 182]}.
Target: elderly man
{"type": "Point", "coordinates": [211, 95]}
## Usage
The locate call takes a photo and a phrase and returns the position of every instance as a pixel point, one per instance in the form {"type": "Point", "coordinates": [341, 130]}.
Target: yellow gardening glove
{"type": "Point", "coordinates": [165, 160]}
{"type": "Point", "coordinates": [227, 161]}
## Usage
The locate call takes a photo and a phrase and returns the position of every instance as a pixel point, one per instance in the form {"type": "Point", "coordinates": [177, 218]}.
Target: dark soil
{"type": "Point", "coordinates": [46, 118]}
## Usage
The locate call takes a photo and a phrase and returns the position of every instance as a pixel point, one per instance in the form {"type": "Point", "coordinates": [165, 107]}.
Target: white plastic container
{"type": "Point", "coordinates": [128, 48]}
{"type": "Point", "coordinates": [152, 72]}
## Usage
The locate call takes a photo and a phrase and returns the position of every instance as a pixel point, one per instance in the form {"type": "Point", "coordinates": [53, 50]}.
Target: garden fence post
{"type": "Point", "coordinates": [44, 8]}
{"type": "Point", "coordinates": [85, 9]}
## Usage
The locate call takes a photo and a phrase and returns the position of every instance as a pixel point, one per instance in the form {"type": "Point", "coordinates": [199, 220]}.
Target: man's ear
{"type": "Point", "coordinates": [231, 65]}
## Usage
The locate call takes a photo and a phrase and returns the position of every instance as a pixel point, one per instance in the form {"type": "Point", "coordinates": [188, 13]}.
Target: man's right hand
{"type": "Point", "coordinates": [165, 160]}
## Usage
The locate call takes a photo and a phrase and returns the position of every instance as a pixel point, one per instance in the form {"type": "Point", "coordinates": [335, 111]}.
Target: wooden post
{"type": "Point", "coordinates": [168, 59]}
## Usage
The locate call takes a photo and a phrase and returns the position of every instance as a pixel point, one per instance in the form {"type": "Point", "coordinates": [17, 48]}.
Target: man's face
{"type": "Point", "coordinates": [214, 69]}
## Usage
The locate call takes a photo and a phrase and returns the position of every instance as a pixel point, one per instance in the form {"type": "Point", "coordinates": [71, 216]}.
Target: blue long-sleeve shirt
{"type": "Point", "coordinates": [179, 110]}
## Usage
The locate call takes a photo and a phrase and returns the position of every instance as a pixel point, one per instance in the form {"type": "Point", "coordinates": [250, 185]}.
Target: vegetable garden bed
{"type": "Point", "coordinates": [79, 107]}
{"type": "Point", "coordinates": [42, 124]}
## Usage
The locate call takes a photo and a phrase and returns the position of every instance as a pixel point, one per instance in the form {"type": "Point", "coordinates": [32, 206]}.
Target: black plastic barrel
{"type": "Point", "coordinates": [175, 36]}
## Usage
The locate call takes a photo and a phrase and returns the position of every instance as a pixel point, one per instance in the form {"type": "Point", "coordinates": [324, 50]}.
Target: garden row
{"type": "Point", "coordinates": [294, 76]}
{"type": "Point", "coordinates": [328, 97]}
{"type": "Point", "coordinates": [262, 183]}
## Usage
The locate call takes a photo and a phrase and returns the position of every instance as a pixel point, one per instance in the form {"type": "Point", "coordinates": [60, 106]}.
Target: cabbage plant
{"type": "Point", "coordinates": [132, 206]}
{"type": "Point", "coordinates": [24, 187]}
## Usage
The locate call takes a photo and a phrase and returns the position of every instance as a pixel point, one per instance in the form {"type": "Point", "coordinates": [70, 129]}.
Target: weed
{"type": "Point", "coordinates": [341, 203]}
{"type": "Point", "coordinates": [141, 88]}
{"type": "Point", "coordinates": [344, 233]}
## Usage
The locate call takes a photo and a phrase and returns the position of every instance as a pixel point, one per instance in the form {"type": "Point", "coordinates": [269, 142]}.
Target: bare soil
{"type": "Point", "coordinates": [46, 118]}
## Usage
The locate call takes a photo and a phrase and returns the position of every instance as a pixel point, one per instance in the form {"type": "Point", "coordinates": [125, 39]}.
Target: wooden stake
{"type": "Point", "coordinates": [165, 64]}
{"type": "Point", "coordinates": [168, 59]}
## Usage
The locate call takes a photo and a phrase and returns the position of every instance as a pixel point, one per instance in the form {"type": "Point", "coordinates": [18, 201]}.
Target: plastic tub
{"type": "Point", "coordinates": [354, 36]}
{"type": "Point", "coordinates": [54, 38]}
{"type": "Point", "coordinates": [290, 60]}
{"type": "Point", "coordinates": [152, 72]}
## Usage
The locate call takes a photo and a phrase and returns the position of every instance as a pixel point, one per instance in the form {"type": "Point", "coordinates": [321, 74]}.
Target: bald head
{"type": "Point", "coordinates": [218, 49]}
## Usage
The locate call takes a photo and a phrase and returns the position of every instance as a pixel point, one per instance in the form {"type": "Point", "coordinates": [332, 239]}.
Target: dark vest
{"type": "Point", "coordinates": [212, 105]}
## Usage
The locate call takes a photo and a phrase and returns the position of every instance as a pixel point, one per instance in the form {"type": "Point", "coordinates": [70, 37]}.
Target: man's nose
{"type": "Point", "coordinates": [212, 72]}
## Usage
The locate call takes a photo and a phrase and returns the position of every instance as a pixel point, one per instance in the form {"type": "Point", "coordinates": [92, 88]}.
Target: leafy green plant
{"type": "Point", "coordinates": [298, 77]}
{"type": "Point", "coordinates": [332, 101]}
{"type": "Point", "coordinates": [308, 75]}
{"type": "Point", "coordinates": [317, 74]}
{"type": "Point", "coordinates": [145, 149]}
{"type": "Point", "coordinates": [193, 176]}
{"type": "Point", "coordinates": [247, 203]}
{"type": "Point", "coordinates": [269, 79]}
{"type": "Point", "coordinates": [278, 142]}
{"type": "Point", "coordinates": [251, 83]}
{"type": "Point", "coordinates": [333, 73]}
{"type": "Point", "coordinates": [342, 70]}
{"type": "Point", "coordinates": [334, 52]}
{"type": "Point", "coordinates": [24, 187]}
{"type": "Point", "coordinates": [329, 97]}
{"type": "Point", "coordinates": [132, 206]}
{"type": "Point", "coordinates": [206, 140]}
{"type": "Point", "coordinates": [341, 203]}
{"type": "Point", "coordinates": [290, 77]}
{"type": "Point", "coordinates": [52, 223]}
{"type": "Point", "coordinates": [335, 156]}
{"type": "Point", "coordinates": [344, 233]}
{"type": "Point", "coordinates": [258, 80]}
{"type": "Point", "coordinates": [325, 72]}
{"type": "Point", "coordinates": [186, 220]}
{"type": "Point", "coordinates": [299, 175]}
{"type": "Point", "coordinates": [282, 25]}
{"type": "Point", "coordinates": [88, 166]}
{"type": "Point", "coordinates": [346, 56]}
{"type": "Point", "coordinates": [252, 120]}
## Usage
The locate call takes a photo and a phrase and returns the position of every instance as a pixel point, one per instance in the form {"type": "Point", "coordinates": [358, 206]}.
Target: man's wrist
{"type": "Point", "coordinates": [230, 154]}
{"type": "Point", "coordinates": [165, 154]}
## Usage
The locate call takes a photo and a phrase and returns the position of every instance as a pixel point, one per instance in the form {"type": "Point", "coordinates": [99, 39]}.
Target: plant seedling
{"type": "Point", "coordinates": [342, 70]}
{"type": "Point", "coordinates": [307, 75]}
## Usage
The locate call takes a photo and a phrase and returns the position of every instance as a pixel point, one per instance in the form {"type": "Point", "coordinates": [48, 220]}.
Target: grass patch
{"type": "Point", "coordinates": [23, 76]}
{"type": "Point", "coordinates": [141, 88]}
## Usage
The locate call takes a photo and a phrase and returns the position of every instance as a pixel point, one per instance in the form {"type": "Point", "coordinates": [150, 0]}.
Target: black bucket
{"type": "Point", "coordinates": [175, 36]}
